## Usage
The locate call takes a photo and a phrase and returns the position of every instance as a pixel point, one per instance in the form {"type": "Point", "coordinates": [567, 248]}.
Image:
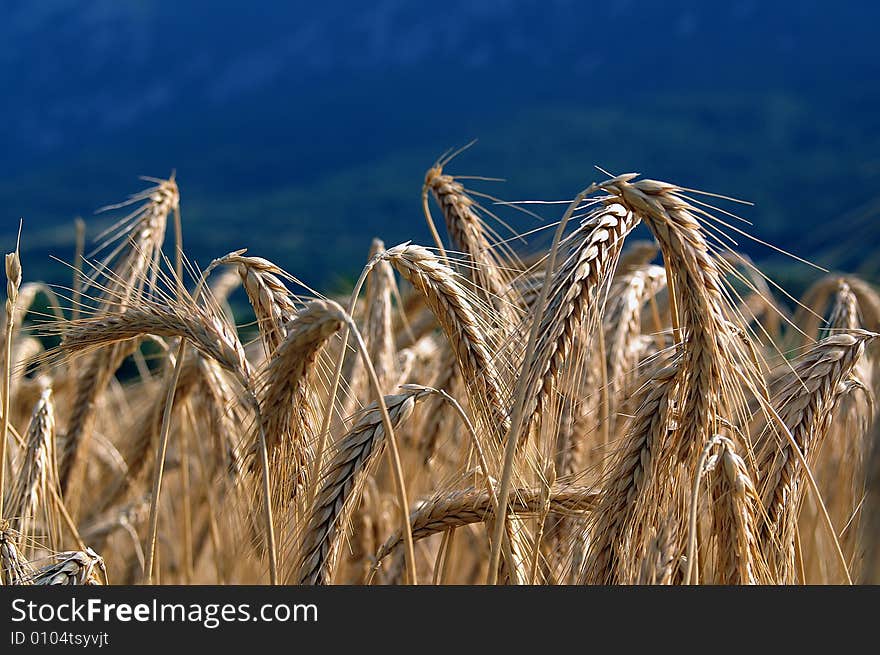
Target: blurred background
{"type": "Point", "coordinates": [302, 130]}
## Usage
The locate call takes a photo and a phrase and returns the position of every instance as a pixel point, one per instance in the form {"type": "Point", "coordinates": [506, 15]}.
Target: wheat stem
{"type": "Point", "coordinates": [517, 418]}
{"type": "Point", "coordinates": [337, 376]}
{"type": "Point", "coordinates": [394, 453]}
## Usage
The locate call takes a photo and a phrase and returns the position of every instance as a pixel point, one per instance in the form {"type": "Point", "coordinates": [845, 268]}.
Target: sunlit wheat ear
{"type": "Point", "coordinates": [736, 511]}
{"type": "Point", "coordinates": [269, 297]}
{"type": "Point", "coordinates": [716, 365]}
{"type": "Point", "coordinates": [844, 313]}
{"type": "Point", "coordinates": [14, 567]}
{"type": "Point", "coordinates": [489, 266]}
{"type": "Point", "coordinates": [629, 478]}
{"type": "Point", "coordinates": [814, 303]}
{"type": "Point", "coordinates": [10, 313]}
{"type": "Point", "coordinates": [134, 243]}
{"type": "Point", "coordinates": [378, 333]}
{"type": "Point", "coordinates": [575, 303]}
{"type": "Point", "coordinates": [207, 333]}
{"type": "Point", "coordinates": [123, 276]}
{"type": "Point", "coordinates": [623, 326]}
{"type": "Point", "coordinates": [29, 497]}
{"type": "Point", "coordinates": [341, 484]}
{"type": "Point", "coordinates": [719, 368]}
{"type": "Point", "coordinates": [869, 302]}
{"type": "Point", "coordinates": [869, 314]}
{"type": "Point", "coordinates": [475, 505]}
{"type": "Point", "coordinates": [287, 404]}
{"type": "Point", "coordinates": [806, 400]}
{"type": "Point", "coordinates": [72, 568]}
{"type": "Point", "coordinates": [453, 311]}
{"type": "Point", "coordinates": [840, 463]}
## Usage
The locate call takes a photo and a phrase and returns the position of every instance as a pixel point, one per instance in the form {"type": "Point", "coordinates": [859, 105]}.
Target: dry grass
{"type": "Point", "coordinates": [598, 412]}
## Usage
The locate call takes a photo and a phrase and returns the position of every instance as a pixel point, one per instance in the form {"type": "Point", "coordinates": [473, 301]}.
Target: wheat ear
{"type": "Point", "coordinates": [454, 312]}
{"type": "Point", "coordinates": [805, 399]}
{"type": "Point", "coordinates": [127, 272]}
{"type": "Point", "coordinates": [14, 567]}
{"type": "Point", "coordinates": [13, 282]}
{"type": "Point", "coordinates": [82, 567]}
{"type": "Point", "coordinates": [341, 485]}
{"type": "Point", "coordinates": [37, 471]}
{"type": "Point", "coordinates": [658, 566]}
{"type": "Point", "coordinates": [574, 307]}
{"type": "Point", "coordinates": [486, 267]}
{"type": "Point", "coordinates": [629, 478]}
{"type": "Point", "coordinates": [476, 505]}
{"type": "Point", "coordinates": [736, 513]}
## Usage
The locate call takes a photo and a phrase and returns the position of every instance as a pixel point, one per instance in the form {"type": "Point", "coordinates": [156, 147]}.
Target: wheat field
{"type": "Point", "coordinates": [600, 410]}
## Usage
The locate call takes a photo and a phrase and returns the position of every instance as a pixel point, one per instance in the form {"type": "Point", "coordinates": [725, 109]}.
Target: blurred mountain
{"type": "Point", "coordinates": [297, 125]}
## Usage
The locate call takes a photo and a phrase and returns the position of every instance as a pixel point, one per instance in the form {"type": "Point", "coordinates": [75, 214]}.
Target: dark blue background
{"type": "Point", "coordinates": [302, 130]}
